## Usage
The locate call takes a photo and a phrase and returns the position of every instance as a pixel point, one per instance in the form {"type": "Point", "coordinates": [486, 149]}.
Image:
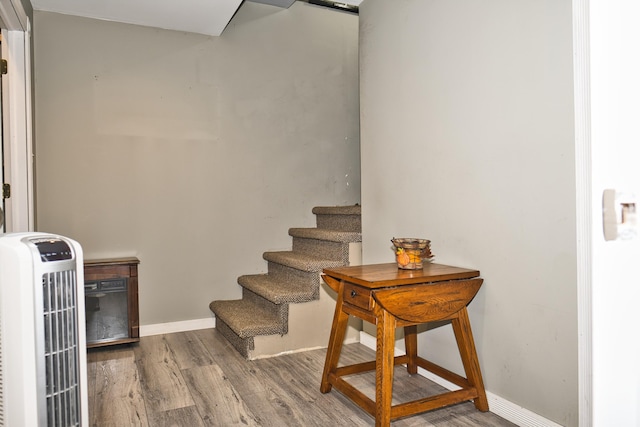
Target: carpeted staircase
{"type": "Point", "coordinates": [264, 322]}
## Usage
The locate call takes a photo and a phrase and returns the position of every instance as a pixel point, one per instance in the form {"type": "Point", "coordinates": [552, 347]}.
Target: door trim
{"type": "Point", "coordinates": [584, 220]}
{"type": "Point", "coordinates": [17, 116]}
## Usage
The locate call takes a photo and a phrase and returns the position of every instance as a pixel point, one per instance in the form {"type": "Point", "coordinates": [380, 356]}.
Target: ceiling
{"type": "Point", "coordinates": [208, 17]}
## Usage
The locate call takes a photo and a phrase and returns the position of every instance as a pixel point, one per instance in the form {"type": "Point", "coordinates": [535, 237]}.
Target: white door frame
{"type": "Point", "coordinates": [582, 105]}
{"type": "Point", "coordinates": [17, 116]}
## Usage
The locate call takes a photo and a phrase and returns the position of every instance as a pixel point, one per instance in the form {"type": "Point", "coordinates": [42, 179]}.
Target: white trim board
{"type": "Point", "coordinates": [584, 203]}
{"type": "Point", "coordinates": [499, 406]}
{"type": "Point", "coordinates": [17, 132]}
{"type": "Point", "coordinates": [182, 326]}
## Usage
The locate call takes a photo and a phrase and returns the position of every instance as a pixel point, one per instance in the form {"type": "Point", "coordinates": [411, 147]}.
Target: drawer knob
{"type": "Point", "coordinates": [353, 294]}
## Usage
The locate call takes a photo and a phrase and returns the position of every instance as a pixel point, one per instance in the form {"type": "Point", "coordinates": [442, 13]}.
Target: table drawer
{"type": "Point", "coordinates": [357, 295]}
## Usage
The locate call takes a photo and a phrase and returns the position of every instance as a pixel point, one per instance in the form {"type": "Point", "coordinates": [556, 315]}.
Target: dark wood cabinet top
{"type": "Point", "coordinates": [112, 261]}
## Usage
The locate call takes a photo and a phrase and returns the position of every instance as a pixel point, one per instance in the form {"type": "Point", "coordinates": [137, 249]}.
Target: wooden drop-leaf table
{"type": "Point", "coordinates": [390, 297]}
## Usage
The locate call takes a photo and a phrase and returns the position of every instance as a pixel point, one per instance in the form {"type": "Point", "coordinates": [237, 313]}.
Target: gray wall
{"type": "Point", "coordinates": [194, 153]}
{"type": "Point", "coordinates": [467, 139]}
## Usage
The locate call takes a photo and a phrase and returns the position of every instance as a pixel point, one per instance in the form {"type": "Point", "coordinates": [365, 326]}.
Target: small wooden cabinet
{"type": "Point", "coordinates": [111, 301]}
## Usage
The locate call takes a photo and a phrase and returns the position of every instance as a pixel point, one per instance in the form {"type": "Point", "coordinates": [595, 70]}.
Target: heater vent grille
{"type": "Point", "coordinates": [62, 365]}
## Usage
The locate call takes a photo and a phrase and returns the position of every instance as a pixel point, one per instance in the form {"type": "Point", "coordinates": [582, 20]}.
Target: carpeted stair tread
{"type": "Point", "coordinates": [337, 210]}
{"type": "Point", "coordinates": [278, 291]}
{"type": "Point", "coordinates": [245, 318]}
{"type": "Point", "coordinates": [328, 235]}
{"type": "Point", "coordinates": [300, 261]}
{"type": "Point", "coordinates": [345, 218]}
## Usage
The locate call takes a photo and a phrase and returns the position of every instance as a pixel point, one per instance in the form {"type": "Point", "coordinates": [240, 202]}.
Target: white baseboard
{"type": "Point", "coordinates": [182, 326]}
{"type": "Point", "coordinates": [499, 406]}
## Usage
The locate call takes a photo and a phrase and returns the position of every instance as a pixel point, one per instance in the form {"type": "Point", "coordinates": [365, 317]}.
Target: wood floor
{"type": "Point", "coordinates": [196, 378]}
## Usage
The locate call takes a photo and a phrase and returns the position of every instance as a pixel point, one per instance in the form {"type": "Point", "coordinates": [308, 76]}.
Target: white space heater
{"type": "Point", "coordinates": [43, 362]}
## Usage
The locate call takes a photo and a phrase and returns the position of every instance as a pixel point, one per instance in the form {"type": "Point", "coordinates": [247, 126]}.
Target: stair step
{"type": "Point", "coordinates": [246, 318]}
{"type": "Point", "coordinates": [243, 345]}
{"type": "Point", "coordinates": [279, 291]}
{"type": "Point", "coordinates": [300, 261]}
{"type": "Point", "coordinates": [325, 234]}
{"type": "Point", "coordinates": [337, 210]}
{"type": "Point", "coordinates": [322, 243]}
{"type": "Point", "coordinates": [346, 218]}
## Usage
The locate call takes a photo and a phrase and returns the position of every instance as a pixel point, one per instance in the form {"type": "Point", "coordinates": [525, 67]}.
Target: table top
{"type": "Point", "coordinates": [374, 276]}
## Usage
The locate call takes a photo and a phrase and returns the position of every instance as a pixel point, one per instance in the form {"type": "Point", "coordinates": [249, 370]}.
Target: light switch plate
{"type": "Point", "coordinates": [619, 215]}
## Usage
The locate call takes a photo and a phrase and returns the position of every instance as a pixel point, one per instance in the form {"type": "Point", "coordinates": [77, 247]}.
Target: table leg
{"type": "Point", "coordinates": [411, 347]}
{"type": "Point", "coordinates": [385, 343]}
{"type": "Point", "coordinates": [464, 338]}
{"type": "Point", "coordinates": [336, 338]}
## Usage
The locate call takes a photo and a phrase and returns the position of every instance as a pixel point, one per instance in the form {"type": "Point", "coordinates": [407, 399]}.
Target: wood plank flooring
{"type": "Point", "coordinates": [193, 379]}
